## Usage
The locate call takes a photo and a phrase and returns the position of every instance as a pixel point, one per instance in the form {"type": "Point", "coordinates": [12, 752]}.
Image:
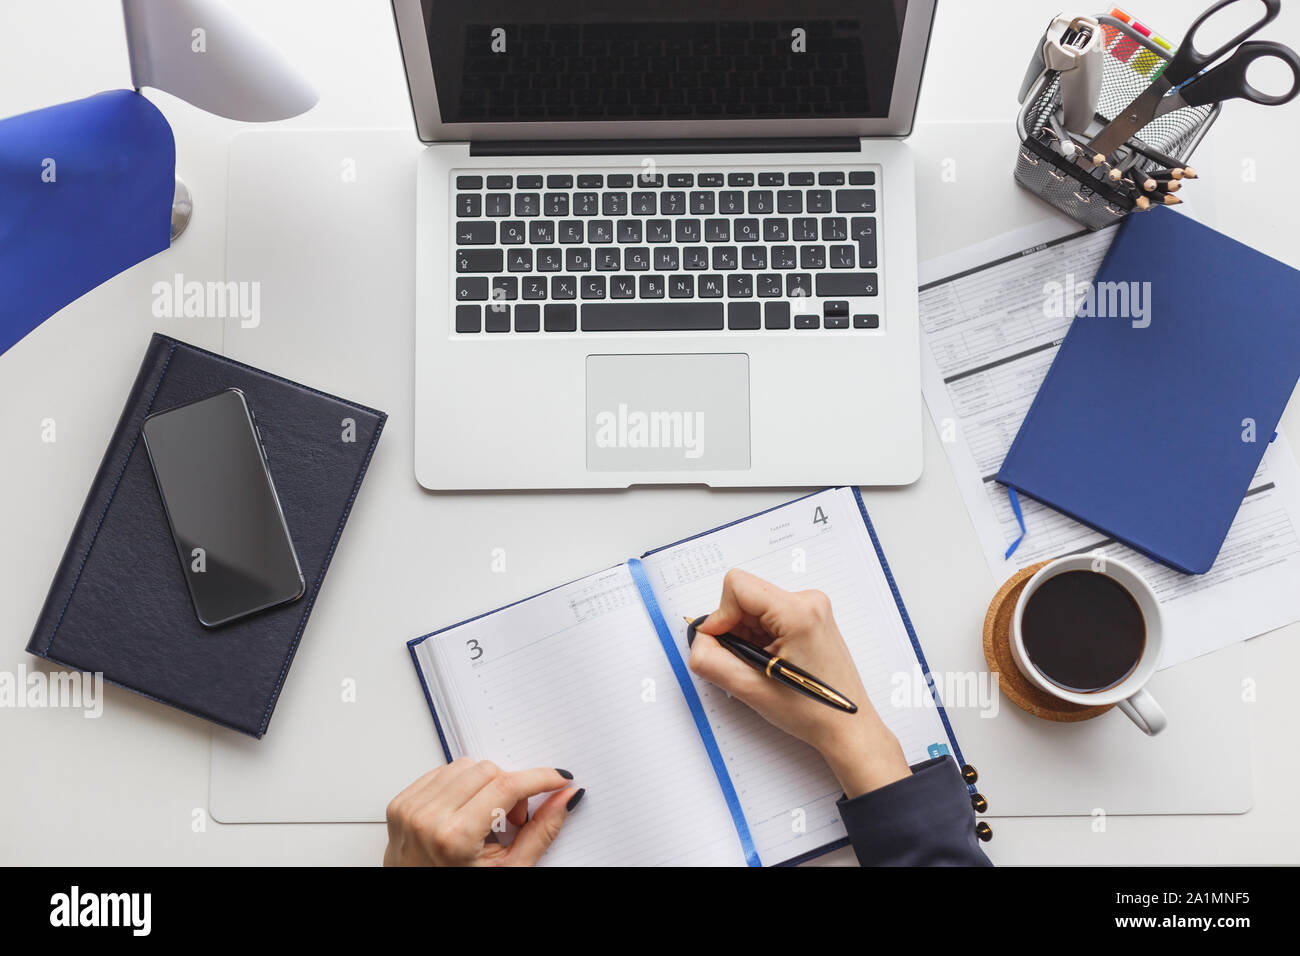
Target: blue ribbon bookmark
{"type": "Point", "coordinates": [1020, 520]}
{"type": "Point", "coordinates": [697, 709]}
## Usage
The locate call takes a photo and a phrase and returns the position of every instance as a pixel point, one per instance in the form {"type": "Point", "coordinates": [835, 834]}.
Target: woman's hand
{"type": "Point", "coordinates": [446, 817]}
{"type": "Point", "coordinates": [861, 751]}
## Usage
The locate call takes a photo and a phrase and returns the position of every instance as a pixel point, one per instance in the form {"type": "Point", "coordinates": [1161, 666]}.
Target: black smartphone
{"type": "Point", "coordinates": [236, 553]}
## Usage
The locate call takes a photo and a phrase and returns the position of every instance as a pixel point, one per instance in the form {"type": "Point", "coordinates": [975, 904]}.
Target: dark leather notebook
{"type": "Point", "coordinates": [119, 602]}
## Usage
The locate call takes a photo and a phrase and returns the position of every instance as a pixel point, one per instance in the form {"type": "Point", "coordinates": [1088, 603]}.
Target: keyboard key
{"type": "Point", "coordinates": [725, 257]}
{"type": "Point", "coordinates": [469, 182]}
{"type": "Point", "coordinates": [835, 307]}
{"type": "Point", "coordinates": [835, 229]}
{"type": "Point", "coordinates": [528, 204]}
{"type": "Point", "coordinates": [842, 257]}
{"type": "Point", "coordinates": [665, 316]}
{"type": "Point", "coordinates": [776, 315]}
{"type": "Point", "coordinates": [577, 260]}
{"type": "Point", "coordinates": [469, 205]}
{"type": "Point", "coordinates": [672, 203]}
{"type": "Point", "coordinates": [613, 204]}
{"type": "Point", "coordinates": [753, 257]}
{"type": "Point", "coordinates": [471, 289]}
{"type": "Point", "coordinates": [559, 181]}
{"type": "Point", "coordinates": [803, 229]}
{"type": "Point", "coordinates": [500, 182]}
{"type": "Point", "coordinates": [561, 318]}
{"type": "Point", "coordinates": [629, 230]}
{"type": "Point", "coordinates": [600, 230]}
{"type": "Point", "coordinates": [620, 182]}
{"type": "Point", "coordinates": [652, 287]}
{"type": "Point", "coordinates": [743, 315]}
{"type": "Point", "coordinates": [513, 232]}
{"type": "Point", "coordinates": [717, 230]}
{"type": "Point", "coordinates": [784, 257]}
{"type": "Point", "coordinates": [666, 259]}
{"type": "Point", "coordinates": [710, 286]}
{"type": "Point", "coordinates": [819, 200]}
{"type": "Point", "coordinates": [585, 204]}
{"type": "Point", "coordinates": [855, 200]}
{"type": "Point", "coordinates": [496, 318]}
{"type": "Point", "coordinates": [681, 179]}
{"type": "Point", "coordinates": [769, 285]}
{"type": "Point", "coordinates": [541, 232]}
{"type": "Point", "coordinates": [866, 321]}
{"type": "Point", "coordinates": [528, 318]}
{"type": "Point", "coordinates": [746, 230]}
{"type": "Point", "coordinates": [468, 318]}
{"type": "Point", "coordinates": [710, 179]}
{"type": "Point", "coordinates": [830, 179]}
{"type": "Point", "coordinates": [556, 204]}
{"type": "Point", "coordinates": [550, 260]}
{"type": "Point", "coordinates": [479, 260]}
{"type": "Point", "coordinates": [837, 322]}
{"type": "Point", "coordinates": [535, 287]}
{"type": "Point", "coordinates": [529, 182]}
{"type": "Point", "coordinates": [864, 231]}
{"type": "Point", "coordinates": [731, 202]}
{"type": "Point", "coordinates": [740, 285]}
{"type": "Point", "coordinates": [798, 284]}
{"type": "Point", "coordinates": [688, 230]}
{"type": "Point", "coordinates": [659, 230]}
{"type": "Point", "coordinates": [498, 204]}
{"type": "Point", "coordinates": [607, 260]}
{"type": "Point", "coordinates": [571, 231]}
{"type": "Point", "coordinates": [807, 321]}
{"type": "Point", "coordinates": [740, 179]}
{"type": "Point", "coordinates": [622, 287]}
{"type": "Point", "coordinates": [645, 204]}
{"type": "Point", "coordinates": [847, 283]}
{"type": "Point", "coordinates": [505, 288]}
{"type": "Point", "coordinates": [695, 257]}
{"type": "Point", "coordinates": [789, 201]}
{"type": "Point", "coordinates": [681, 286]}
{"type": "Point", "coordinates": [564, 287]}
{"type": "Point", "coordinates": [519, 260]}
{"type": "Point", "coordinates": [862, 178]}
{"type": "Point", "coordinates": [801, 179]}
{"type": "Point", "coordinates": [591, 182]}
{"type": "Point", "coordinates": [636, 259]}
{"type": "Point", "coordinates": [593, 287]}
{"type": "Point", "coordinates": [760, 201]}
{"type": "Point", "coordinates": [771, 179]}
{"type": "Point", "coordinates": [812, 257]}
{"type": "Point", "coordinates": [476, 233]}
{"type": "Point", "coordinates": [701, 204]}
{"type": "Point", "coordinates": [649, 180]}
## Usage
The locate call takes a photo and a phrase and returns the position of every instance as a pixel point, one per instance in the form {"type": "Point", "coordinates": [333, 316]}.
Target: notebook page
{"type": "Point", "coordinates": [576, 678]}
{"type": "Point", "coordinates": [818, 542]}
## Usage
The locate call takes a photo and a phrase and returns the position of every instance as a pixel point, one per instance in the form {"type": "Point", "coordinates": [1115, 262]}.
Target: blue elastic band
{"type": "Point", "coordinates": [1020, 520]}
{"type": "Point", "coordinates": [697, 709]}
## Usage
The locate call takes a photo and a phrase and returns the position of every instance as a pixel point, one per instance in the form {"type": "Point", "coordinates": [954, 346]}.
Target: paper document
{"type": "Point", "coordinates": [989, 335]}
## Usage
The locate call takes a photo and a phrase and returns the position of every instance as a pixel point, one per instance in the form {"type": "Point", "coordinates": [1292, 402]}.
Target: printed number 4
{"type": "Point", "coordinates": [819, 516]}
{"type": "Point", "coordinates": [475, 650]}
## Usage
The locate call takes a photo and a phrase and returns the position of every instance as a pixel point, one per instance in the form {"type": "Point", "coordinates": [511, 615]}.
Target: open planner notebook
{"type": "Point", "coordinates": [591, 676]}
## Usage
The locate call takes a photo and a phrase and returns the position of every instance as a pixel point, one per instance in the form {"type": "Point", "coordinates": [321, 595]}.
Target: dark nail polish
{"type": "Point", "coordinates": [564, 773]}
{"type": "Point", "coordinates": [690, 631]}
{"type": "Point", "coordinates": [573, 800]}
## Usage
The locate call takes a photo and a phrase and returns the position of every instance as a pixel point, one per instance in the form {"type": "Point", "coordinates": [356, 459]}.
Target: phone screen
{"type": "Point", "coordinates": [216, 487]}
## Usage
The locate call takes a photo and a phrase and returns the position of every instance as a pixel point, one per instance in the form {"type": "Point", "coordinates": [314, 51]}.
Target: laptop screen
{"type": "Point", "coordinates": [502, 61]}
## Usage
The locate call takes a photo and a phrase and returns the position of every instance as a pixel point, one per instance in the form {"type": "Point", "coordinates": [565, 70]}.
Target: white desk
{"type": "Point", "coordinates": [128, 788]}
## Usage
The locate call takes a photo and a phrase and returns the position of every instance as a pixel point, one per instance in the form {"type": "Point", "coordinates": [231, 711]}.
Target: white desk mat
{"type": "Point", "coordinates": [324, 221]}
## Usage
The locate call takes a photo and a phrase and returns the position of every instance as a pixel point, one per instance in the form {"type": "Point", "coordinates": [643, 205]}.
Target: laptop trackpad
{"type": "Point", "coordinates": [668, 412]}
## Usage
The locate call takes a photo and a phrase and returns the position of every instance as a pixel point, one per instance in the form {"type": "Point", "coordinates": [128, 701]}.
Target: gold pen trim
{"type": "Point", "coordinates": [821, 690]}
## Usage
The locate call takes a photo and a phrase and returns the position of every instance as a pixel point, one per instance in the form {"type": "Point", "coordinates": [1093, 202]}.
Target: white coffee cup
{"type": "Point", "coordinates": [1130, 693]}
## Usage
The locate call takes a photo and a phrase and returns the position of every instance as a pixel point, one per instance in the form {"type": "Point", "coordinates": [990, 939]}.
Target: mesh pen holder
{"type": "Point", "coordinates": [1082, 192]}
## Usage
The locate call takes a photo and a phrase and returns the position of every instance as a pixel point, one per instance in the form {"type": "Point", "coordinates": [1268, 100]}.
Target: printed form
{"type": "Point", "coordinates": [988, 341]}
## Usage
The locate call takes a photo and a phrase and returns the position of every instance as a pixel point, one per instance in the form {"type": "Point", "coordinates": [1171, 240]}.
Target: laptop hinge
{"type": "Point", "coordinates": [642, 147]}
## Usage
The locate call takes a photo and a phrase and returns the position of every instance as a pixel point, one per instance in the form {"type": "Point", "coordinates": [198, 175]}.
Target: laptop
{"type": "Point", "coordinates": [665, 243]}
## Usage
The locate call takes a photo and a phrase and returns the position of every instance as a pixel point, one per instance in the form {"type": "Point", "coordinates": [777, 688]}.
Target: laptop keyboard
{"type": "Point", "coordinates": [762, 250]}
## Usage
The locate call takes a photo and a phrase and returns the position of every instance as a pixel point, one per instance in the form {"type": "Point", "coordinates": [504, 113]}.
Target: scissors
{"type": "Point", "coordinates": [1194, 85]}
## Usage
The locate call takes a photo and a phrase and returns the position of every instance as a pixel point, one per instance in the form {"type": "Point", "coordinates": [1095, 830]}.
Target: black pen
{"type": "Point", "coordinates": [777, 668]}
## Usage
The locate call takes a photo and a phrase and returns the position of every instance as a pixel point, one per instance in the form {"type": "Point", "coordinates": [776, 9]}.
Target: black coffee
{"type": "Point", "coordinates": [1083, 631]}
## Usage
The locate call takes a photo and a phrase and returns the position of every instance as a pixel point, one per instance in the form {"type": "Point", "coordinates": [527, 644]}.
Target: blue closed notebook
{"type": "Point", "coordinates": [1150, 428]}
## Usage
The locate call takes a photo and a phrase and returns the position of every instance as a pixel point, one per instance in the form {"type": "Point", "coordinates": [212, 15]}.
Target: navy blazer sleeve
{"type": "Point", "coordinates": [922, 820]}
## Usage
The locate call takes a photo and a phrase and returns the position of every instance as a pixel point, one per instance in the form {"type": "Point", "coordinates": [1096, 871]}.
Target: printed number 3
{"type": "Point", "coordinates": [475, 650]}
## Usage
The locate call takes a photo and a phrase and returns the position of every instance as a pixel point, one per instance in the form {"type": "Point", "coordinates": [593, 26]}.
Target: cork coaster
{"type": "Point", "coordinates": [997, 652]}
